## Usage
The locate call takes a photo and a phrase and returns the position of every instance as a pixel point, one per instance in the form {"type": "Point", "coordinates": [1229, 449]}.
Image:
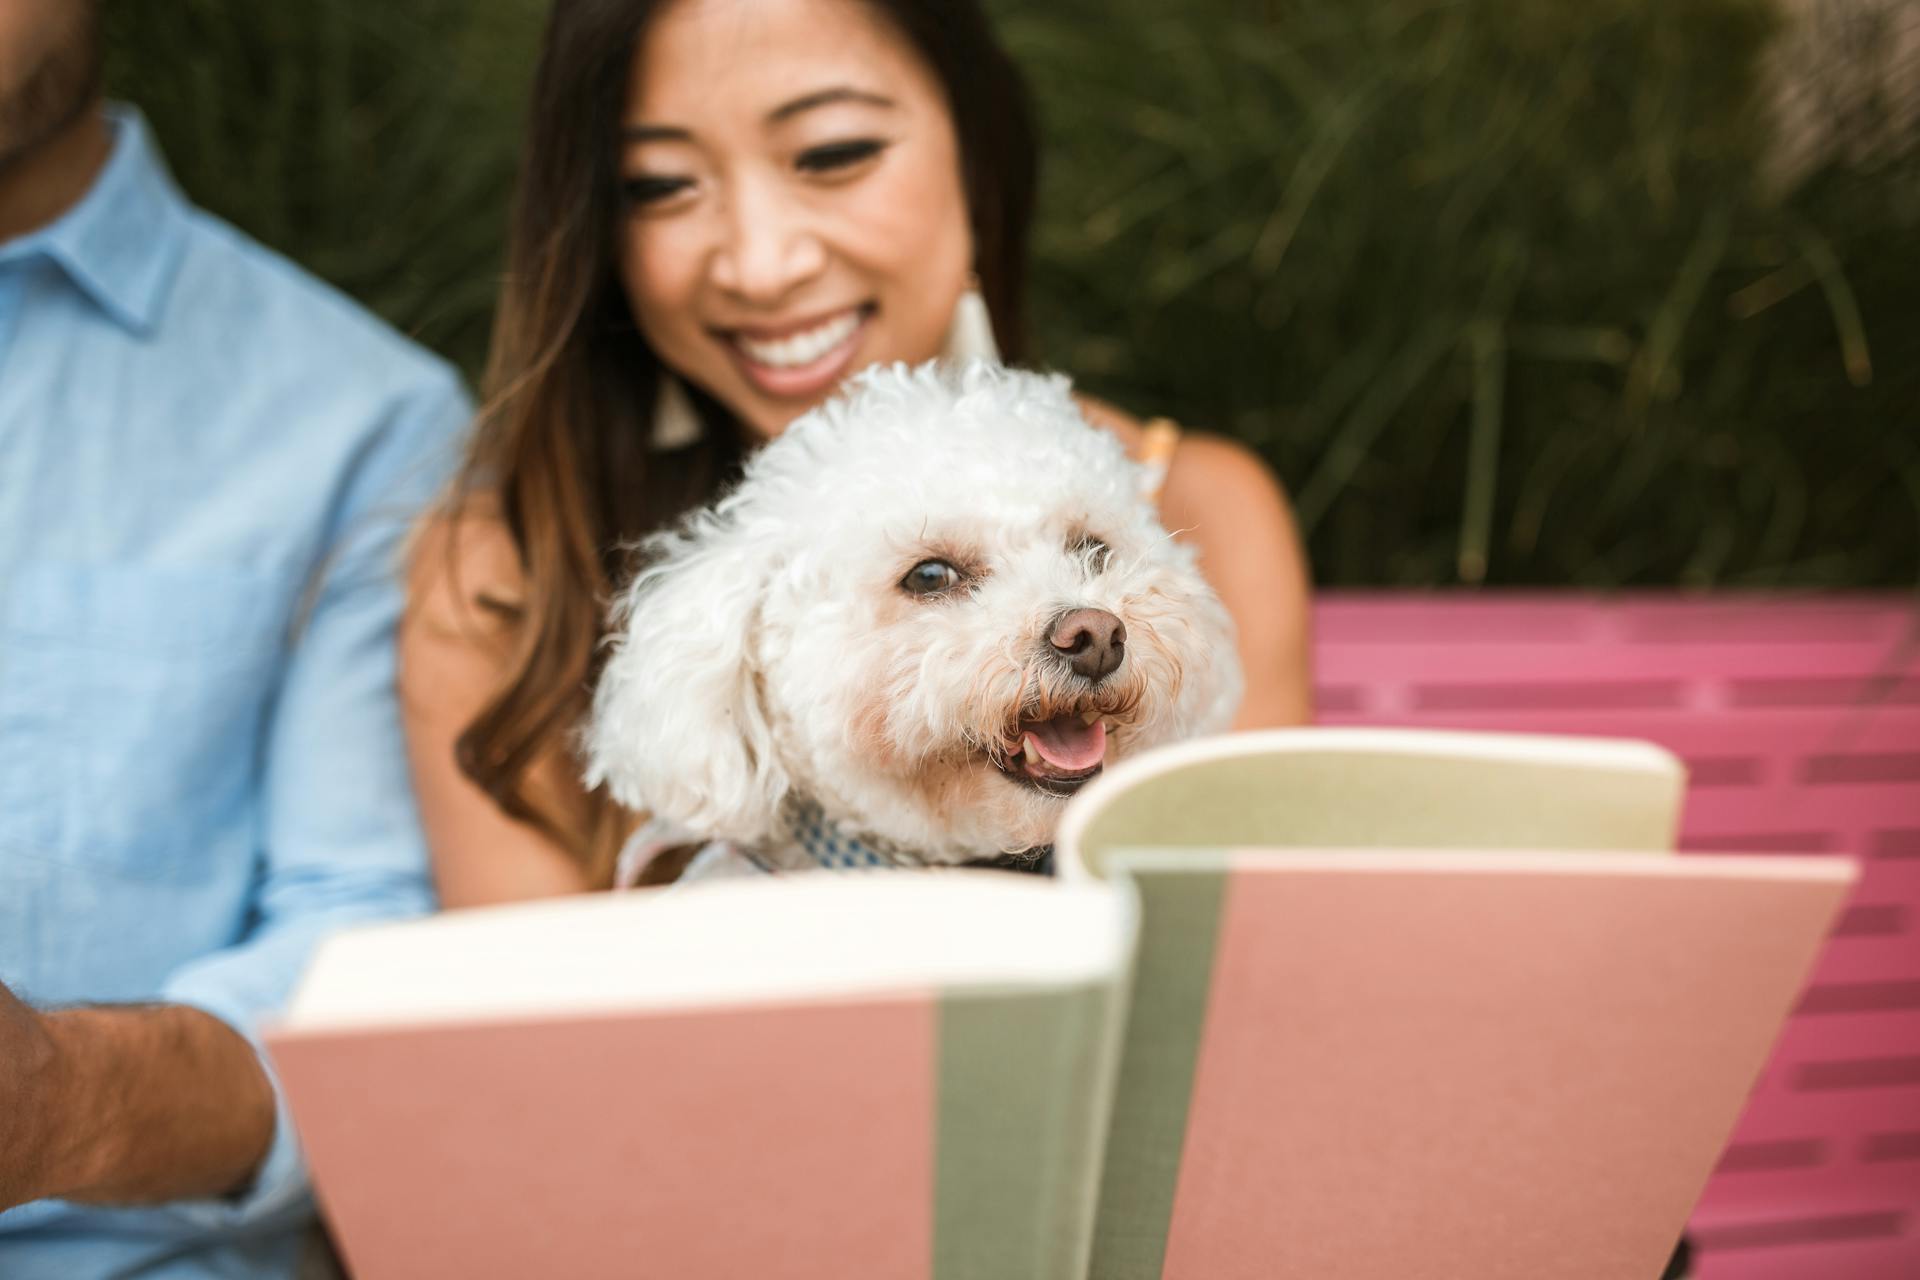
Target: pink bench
{"type": "Point", "coordinates": [1800, 724]}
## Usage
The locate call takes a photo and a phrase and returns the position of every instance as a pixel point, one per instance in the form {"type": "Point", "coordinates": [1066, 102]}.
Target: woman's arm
{"type": "Point", "coordinates": [452, 659]}
{"type": "Point", "coordinates": [1220, 499]}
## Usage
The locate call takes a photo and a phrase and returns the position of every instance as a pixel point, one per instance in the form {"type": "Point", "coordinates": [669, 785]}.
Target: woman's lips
{"type": "Point", "coordinates": [802, 363]}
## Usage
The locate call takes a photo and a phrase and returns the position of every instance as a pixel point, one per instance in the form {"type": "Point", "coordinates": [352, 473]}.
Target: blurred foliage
{"type": "Point", "coordinates": [1503, 290]}
{"type": "Point", "coordinates": [375, 143]}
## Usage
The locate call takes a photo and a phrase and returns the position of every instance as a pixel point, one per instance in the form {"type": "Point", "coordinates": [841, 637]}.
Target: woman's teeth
{"type": "Point", "coordinates": [801, 348]}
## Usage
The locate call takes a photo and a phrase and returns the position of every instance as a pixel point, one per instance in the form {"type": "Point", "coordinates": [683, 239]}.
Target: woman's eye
{"type": "Point", "coordinates": [929, 578]}
{"type": "Point", "coordinates": [838, 155]}
{"type": "Point", "coordinates": [649, 190]}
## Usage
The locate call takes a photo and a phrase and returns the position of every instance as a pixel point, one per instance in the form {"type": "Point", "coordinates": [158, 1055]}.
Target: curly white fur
{"type": "Point", "coordinates": [767, 649]}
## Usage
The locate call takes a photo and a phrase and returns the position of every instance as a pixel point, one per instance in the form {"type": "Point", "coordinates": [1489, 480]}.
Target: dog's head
{"type": "Point", "coordinates": [936, 606]}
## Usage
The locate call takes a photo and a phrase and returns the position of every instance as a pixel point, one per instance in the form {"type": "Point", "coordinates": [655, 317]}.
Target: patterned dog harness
{"type": "Point", "coordinates": [817, 845]}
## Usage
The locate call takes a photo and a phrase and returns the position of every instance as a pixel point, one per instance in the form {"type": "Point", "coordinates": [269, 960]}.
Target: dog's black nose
{"type": "Point", "coordinates": [1091, 641]}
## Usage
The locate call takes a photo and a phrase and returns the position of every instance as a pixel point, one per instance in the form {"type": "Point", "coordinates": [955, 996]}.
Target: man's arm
{"type": "Point", "coordinates": [127, 1105]}
{"type": "Point", "coordinates": [172, 1103]}
{"type": "Point", "coordinates": [340, 835]}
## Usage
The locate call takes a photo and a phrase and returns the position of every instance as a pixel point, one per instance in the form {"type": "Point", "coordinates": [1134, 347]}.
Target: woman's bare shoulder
{"type": "Point", "coordinates": [1204, 467]}
{"type": "Point", "coordinates": [462, 564]}
{"type": "Point", "coordinates": [456, 651]}
{"type": "Point", "coordinates": [1212, 471]}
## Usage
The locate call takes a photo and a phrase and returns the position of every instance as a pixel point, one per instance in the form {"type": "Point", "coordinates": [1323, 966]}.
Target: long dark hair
{"type": "Point", "coordinates": [560, 453]}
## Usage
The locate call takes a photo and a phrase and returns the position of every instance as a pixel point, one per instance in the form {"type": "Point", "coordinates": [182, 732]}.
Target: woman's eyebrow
{"type": "Point", "coordinates": [785, 111]}
{"type": "Point", "coordinates": [823, 97]}
{"type": "Point", "coordinates": [654, 133]}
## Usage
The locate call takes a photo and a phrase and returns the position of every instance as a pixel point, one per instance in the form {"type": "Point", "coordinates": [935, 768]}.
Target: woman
{"type": "Point", "coordinates": [726, 207]}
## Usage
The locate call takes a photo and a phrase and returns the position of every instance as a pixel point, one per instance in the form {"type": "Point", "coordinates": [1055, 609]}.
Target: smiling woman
{"type": "Point", "coordinates": [726, 208]}
{"type": "Point", "coordinates": [796, 199]}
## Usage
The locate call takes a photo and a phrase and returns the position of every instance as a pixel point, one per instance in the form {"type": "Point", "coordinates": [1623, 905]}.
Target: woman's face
{"type": "Point", "coordinates": [794, 207]}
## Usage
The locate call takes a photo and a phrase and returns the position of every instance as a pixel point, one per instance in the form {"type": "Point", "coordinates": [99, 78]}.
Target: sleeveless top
{"type": "Point", "coordinates": [1158, 439]}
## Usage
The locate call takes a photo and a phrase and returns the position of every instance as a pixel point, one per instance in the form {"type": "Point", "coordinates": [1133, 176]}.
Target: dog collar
{"type": "Point", "coordinates": [832, 848]}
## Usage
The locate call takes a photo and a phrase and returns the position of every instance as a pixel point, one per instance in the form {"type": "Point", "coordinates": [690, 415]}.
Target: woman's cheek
{"type": "Point", "coordinates": [659, 270]}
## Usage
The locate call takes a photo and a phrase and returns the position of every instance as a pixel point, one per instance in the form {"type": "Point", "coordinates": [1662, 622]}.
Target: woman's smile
{"type": "Point", "coordinates": [801, 360]}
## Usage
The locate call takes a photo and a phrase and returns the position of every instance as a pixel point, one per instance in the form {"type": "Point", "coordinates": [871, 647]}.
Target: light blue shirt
{"type": "Point", "coordinates": [208, 461]}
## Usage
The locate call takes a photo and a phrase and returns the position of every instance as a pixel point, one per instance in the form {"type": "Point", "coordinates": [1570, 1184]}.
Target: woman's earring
{"type": "Point", "coordinates": [970, 335]}
{"type": "Point", "coordinates": [676, 423]}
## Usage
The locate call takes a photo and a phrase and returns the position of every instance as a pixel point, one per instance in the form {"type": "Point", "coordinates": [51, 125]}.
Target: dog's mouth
{"type": "Point", "coordinates": [1056, 756]}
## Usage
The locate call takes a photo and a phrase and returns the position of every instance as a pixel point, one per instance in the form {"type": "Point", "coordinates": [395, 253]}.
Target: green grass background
{"type": "Point", "coordinates": [1503, 290]}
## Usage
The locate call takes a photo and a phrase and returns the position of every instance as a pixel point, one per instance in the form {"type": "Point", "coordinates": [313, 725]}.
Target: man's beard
{"type": "Point", "coordinates": [55, 93]}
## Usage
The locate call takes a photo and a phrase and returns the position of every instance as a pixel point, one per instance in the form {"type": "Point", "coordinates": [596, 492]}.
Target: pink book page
{"type": "Point", "coordinates": [790, 1143]}
{"type": "Point", "coordinates": [1445, 1071]}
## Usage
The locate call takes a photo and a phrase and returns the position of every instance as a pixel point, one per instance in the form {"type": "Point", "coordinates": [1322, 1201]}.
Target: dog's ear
{"type": "Point", "coordinates": [679, 729]}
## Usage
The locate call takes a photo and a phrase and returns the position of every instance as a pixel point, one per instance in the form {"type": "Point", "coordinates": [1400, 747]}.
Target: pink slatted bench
{"type": "Point", "coordinates": [1800, 724]}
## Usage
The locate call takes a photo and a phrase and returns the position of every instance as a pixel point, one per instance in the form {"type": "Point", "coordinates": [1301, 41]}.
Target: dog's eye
{"type": "Point", "coordinates": [1096, 552]}
{"type": "Point", "coordinates": [930, 578]}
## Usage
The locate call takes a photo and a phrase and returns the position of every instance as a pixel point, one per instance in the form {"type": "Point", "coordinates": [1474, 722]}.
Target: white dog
{"type": "Point", "coordinates": [930, 611]}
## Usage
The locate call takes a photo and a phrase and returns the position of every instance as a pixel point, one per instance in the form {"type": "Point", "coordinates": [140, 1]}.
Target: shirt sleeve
{"type": "Point", "coordinates": [341, 834]}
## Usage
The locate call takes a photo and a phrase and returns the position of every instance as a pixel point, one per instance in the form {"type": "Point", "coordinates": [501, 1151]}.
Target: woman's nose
{"type": "Point", "coordinates": [769, 247]}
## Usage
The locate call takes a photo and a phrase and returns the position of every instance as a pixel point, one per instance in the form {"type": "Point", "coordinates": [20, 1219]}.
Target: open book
{"type": "Point", "coordinates": [1205, 1060]}
{"type": "Point", "coordinates": [825, 1075]}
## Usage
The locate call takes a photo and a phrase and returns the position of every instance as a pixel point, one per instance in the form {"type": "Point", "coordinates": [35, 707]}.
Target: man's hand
{"type": "Point", "coordinates": [127, 1104]}
{"type": "Point", "coordinates": [27, 1064]}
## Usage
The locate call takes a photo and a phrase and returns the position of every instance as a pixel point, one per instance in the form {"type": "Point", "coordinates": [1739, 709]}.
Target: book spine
{"type": "Point", "coordinates": [1180, 920]}
{"type": "Point", "coordinates": [1022, 1115]}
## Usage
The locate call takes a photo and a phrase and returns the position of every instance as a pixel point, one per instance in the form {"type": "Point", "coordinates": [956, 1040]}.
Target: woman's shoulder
{"type": "Point", "coordinates": [1200, 467]}
{"type": "Point", "coordinates": [463, 567]}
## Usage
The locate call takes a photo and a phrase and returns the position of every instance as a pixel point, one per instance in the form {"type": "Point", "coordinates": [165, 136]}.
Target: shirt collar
{"type": "Point", "coordinates": [122, 243]}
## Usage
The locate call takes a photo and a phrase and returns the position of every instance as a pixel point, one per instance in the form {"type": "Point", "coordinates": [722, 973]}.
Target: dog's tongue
{"type": "Point", "coordinates": [1065, 743]}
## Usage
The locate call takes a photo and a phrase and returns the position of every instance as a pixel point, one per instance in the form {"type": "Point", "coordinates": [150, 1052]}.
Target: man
{"type": "Point", "coordinates": [207, 463]}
